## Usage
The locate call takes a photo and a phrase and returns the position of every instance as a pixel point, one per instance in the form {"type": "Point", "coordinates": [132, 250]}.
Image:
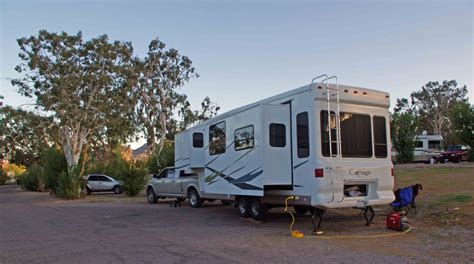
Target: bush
{"type": "Point", "coordinates": [54, 164]}
{"type": "Point", "coordinates": [69, 186]}
{"type": "Point", "coordinates": [156, 162]}
{"type": "Point", "coordinates": [3, 177]}
{"type": "Point", "coordinates": [470, 156]}
{"type": "Point", "coordinates": [33, 179]}
{"type": "Point", "coordinates": [134, 178]}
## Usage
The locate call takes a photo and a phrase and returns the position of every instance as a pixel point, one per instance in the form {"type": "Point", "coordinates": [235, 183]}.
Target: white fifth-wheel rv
{"type": "Point", "coordinates": [324, 144]}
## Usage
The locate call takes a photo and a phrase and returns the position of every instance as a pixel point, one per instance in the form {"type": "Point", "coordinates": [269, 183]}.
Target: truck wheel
{"type": "Point", "coordinates": [151, 196]}
{"type": "Point", "coordinates": [456, 159]}
{"type": "Point", "coordinates": [243, 205]}
{"type": "Point", "coordinates": [301, 210]}
{"type": "Point", "coordinates": [194, 199]}
{"type": "Point", "coordinates": [258, 211]}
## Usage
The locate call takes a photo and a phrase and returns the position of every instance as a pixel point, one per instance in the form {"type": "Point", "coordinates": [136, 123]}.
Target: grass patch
{"type": "Point", "coordinates": [459, 198]}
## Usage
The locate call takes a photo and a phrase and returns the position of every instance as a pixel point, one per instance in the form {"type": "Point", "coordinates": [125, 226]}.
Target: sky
{"type": "Point", "coordinates": [245, 51]}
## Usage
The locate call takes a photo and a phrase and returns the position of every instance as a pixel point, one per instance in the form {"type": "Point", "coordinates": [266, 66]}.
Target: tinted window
{"type": "Point", "coordinates": [198, 140]}
{"type": "Point", "coordinates": [380, 137]}
{"type": "Point", "coordinates": [217, 138]}
{"type": "Point", "coordinates": [302, 134]}
{"type": "Point", "coordinates": [244, 138]}
{"type": "Point", "coordinates": [92, 178]}
{"type": "Point", "coordinates": [277, 135]}
{"type": "Point", "coordinates": [355, 135]}
{"type": "Point", "coordinates": [325, 133]}
{"type": "Point", "coordinates": [419, 144]}
{"type": "Point", "coordinates": [434, 144]}
{"type": "Point", "coordinates": [163, 173]}
{"type": "Point", "coordinates": [103, 178]}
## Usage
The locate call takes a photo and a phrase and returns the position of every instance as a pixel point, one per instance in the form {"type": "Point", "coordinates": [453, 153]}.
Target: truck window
{"type": "Point", "coordinates": [302, 134]}
{"type": "Point", "coordinates": [244, 138]}
{"type": "Point", "coordinates": [277, 135]}
{"type": "Point", "coordinates": [380, 137]}
{"type": "Point", "coordinates": [198, 140]}
{"type": "Point", "coordinates": [217, 138]}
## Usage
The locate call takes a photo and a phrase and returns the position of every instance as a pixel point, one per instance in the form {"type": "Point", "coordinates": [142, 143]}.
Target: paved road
{"type": "Point", "coordinates": [37, 228]}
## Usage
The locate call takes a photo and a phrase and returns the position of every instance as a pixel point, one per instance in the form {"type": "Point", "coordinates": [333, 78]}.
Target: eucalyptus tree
{"type": "Point", "coordinates": [434, 102]}
{"type": "Point", "coordinates": [162, 72]}
{"type": "Point", "coordinates": [86, 86]}
{"type": "Point", "coordinates": [24, 135]}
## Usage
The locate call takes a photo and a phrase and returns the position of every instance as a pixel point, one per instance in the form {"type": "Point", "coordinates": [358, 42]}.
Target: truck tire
{"type": "Point", "coordinates": [301, 210]}
{"type": "Point", "coordinates": [258, 210]}
{"type": "Point", "coordinates": [151, 196]}
{"type": "Point", "coordinates": [243, 205]}
{"type": "Point", "coordinates": [194, 198]}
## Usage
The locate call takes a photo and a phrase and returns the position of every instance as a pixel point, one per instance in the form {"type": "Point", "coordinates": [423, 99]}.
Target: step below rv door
{"type": "Point", "coordinates": [276, 144]}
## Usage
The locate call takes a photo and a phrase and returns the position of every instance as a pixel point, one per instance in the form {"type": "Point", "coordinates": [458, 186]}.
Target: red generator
{"type": "Point", "coordinates": [396, 221]}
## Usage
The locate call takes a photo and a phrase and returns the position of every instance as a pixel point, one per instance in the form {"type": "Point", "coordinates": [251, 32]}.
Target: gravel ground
{"type": "Point", "coordinates": [105, 228]}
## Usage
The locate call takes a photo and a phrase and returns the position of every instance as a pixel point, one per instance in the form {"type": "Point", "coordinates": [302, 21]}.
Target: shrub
{"type": "Point", "coordinates": [69, 186]}
{"type": "Point", "coordinates": [54, 164]}
{"type": "Point", "coordinates": [470, 156]}
{"type": "Point", "coordinates": [134, 178]}
{"type": "Point", "coordinates": [3, 177]}
{"type": "Point", "coordinates": [33, 179]}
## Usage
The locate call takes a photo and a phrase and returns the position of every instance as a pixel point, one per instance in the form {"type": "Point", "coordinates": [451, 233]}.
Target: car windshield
{"type": "Point", "coordinates": [453, 148]}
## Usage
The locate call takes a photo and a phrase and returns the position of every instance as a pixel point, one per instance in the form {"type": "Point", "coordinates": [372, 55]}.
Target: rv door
{"type": "Point", "coordinates": [277, 144]}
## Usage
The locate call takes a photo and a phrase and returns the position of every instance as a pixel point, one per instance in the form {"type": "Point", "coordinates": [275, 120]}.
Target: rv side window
{"type": "Point", "coordinates": [244, 138]}
{"type": "Point", "coordinates": [434, 144]}
{"type": "Point", "coordinates": [380, 137]}
{"type": "Point", "coordinates": [419, 144]}
{"type": "Point", "coordinates": [325, 133]}
{"type": "Point", "coordinates": [198, 140]}
{"type": "Point", "coordinates": [277, 135]}
{"type": "Point", "coordinates": [355, 135]}
{"type": "Point", "coordinates": [217, 138]}
{"type": "Point", "coordinates": [302, 134]}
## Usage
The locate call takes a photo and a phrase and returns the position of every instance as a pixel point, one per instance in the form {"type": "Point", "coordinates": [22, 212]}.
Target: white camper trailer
{"type": "Point", "coordinates": [325, 144]}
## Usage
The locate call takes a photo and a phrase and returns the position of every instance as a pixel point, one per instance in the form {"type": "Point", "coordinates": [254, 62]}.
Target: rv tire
{"type": "Point", "coordinates": [243, 205]}
{"type": "Point", "coordinates": [194, 198]}
{"type": "Point", "coordinates": [258, 210]}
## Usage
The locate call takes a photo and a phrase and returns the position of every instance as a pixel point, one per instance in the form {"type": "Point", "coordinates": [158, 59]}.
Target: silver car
{"type": "Point", "coordinates": [102, 183]}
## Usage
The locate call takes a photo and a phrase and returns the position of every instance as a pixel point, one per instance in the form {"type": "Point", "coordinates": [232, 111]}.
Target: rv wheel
{"type": "Point", "coordinates": [258, 210]}
{"type": "Point", "coordinates": [243, 205]}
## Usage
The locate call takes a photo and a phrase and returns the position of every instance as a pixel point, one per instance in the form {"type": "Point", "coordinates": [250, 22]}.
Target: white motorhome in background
{"type": "Point", "coordinates": [326, 144]}
{"type": "Point", "coordinates": [428, 148]}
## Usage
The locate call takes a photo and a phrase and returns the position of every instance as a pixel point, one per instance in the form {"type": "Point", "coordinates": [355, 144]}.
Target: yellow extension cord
{"type": "Point", "coordinates": [299, 234]}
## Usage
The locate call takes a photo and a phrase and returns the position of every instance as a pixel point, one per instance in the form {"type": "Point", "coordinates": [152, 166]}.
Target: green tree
{"type": "Point", "coordinates": [433, 103]}
{"type": "Point", "coordinates": [163, 71]}
{"type": "Point", "coordinates": [462, 118]}
{"type": "Point", "coordinates": [404, 126]}
{"type": "Point", "coordinates": [85, 85]}
{"type": "Point", "coordinates": [24, 135]}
